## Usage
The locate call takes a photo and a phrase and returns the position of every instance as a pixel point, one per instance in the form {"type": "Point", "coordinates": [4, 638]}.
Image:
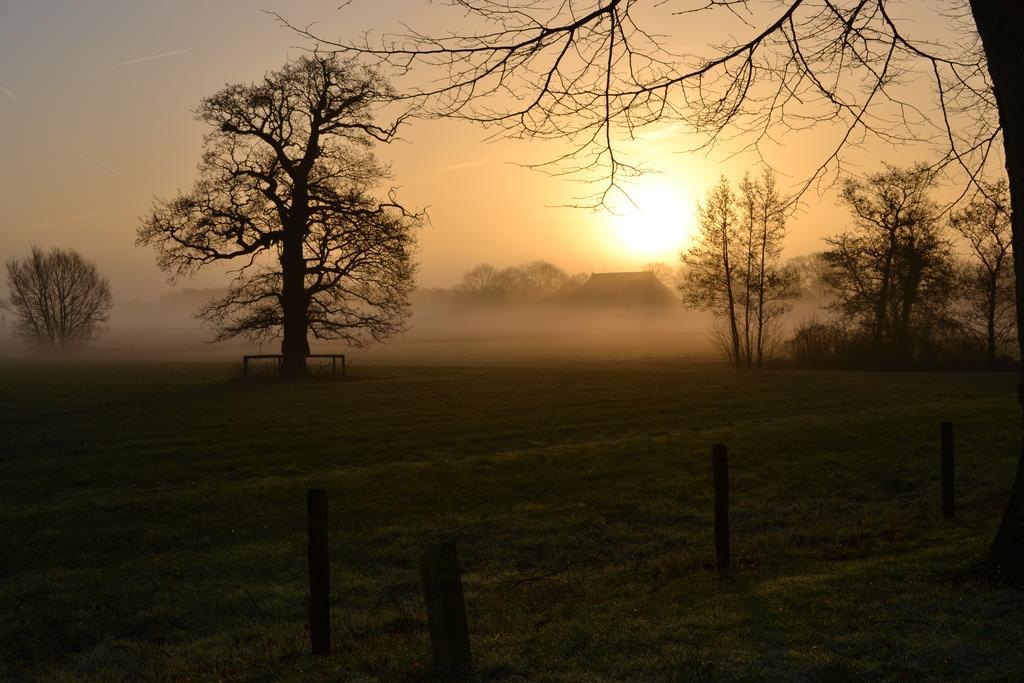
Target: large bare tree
{"type": "Point", "coordinates": [59, 299]}
{"type": "Point", "coordinates": [286, 191]}
{"type": "Point", "coordinates": [588, 70]}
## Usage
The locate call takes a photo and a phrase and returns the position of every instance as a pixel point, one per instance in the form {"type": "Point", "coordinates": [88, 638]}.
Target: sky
{"type": "Point", "coordinates": [96, 100]}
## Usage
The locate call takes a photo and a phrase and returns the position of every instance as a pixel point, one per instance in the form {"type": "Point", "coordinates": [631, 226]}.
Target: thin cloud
{"type": "Point", "coordinates": [8, 92]}
{"type": "Point", "coordinates": [159, 56]}
{"type": "Point", "coordinates": [95, 158]}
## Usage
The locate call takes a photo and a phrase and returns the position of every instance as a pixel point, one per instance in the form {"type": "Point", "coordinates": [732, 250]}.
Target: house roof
{"type": "Point", "coordinates": [633, 289]}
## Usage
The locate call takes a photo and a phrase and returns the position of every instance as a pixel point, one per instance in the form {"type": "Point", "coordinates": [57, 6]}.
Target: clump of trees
{"type": "Point", "coordinates": [892, 271]}
{"type": "Point", "coordinates": [734, 267]}
{"type": "Point", "coordinates": [526, 282]}
{"type": "Point", "coordinates": [892, 288]}
{"type": "Point", "coordinates": [900, 295]}
{"type": "Point", "coordinates": [58, 298]}
{"type": "Point", "coordinates": [286, 190]}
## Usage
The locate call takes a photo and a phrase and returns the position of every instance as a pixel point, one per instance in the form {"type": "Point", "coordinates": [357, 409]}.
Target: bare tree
{"type": "Point", "coordinates": [733, 267]}
{"type": "Point", "coordinates": [768, 284]}
{"type": "Point", "coordinates": [285, 190]}
{"type": "Point", "coordinates": [894, 266]}
{"type": "Point", "coordinates": [525, 282]}
{"type": "Point", "coordinates": [586, 71]}
{"type": "Point", "coordinates": [480, 282]}
{"type": "Point", "coordinates": [987, 281]}
{"type": "Point", "coordinates": [710, 272]}
{"type": "Point", "coordinates": [59, 299]}
{"type": "Point", "coordinates": [541, 278]}
{"type": "Point", "coordinates": [592, 73]}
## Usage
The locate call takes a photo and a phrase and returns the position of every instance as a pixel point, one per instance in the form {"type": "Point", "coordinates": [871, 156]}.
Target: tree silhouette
{"type": "Point", "coordinates": [732, 268]}
{"type": "Point", "coordinates": [481, 282]}
{"type": "Point", "coordinates": [530, 281]}
{"type": "Point", "coordinates": [285, 190]}
{"type": "Point", "coordinates": [588, 71]}
{"type": "Point", "coordinates": [710, 267]}
{"type": "Point", "coordinates": [987, 280]}
{"type": "Point", "coordinates": [894, 266]}
{"type": "Point", "coordinates": [767, 283]}
{"type": "Point", "coordinates": [59, 299]}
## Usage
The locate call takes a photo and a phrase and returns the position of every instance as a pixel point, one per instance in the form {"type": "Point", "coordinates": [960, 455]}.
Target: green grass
{"type": "Point", "coordinates": [152, 522]}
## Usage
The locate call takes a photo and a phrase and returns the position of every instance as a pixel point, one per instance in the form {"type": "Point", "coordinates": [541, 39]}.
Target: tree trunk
{"type": "Point", "coordinates": [1001, 27]}
{"type": "Point", "coordinates": [882, 307]}
{"type": "Point", "coordinates": [761, 285]}
{"type": "Point", "coordinates": [990, 321]}
{"type": "Point", "coordinates": [294, 345]}
{"type": "Point", "coordinates": [727, 271]}
{"type": "Point", "coordinates": [906, 320]}
{"type": "Point", "coordinates": [749, 277]}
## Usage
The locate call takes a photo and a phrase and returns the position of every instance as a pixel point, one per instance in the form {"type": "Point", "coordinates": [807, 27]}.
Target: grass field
{"type": "Point", "coordinates": [152, 522]}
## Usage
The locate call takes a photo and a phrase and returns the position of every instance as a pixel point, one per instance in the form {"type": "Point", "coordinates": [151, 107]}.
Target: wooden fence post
{"type": "Point", "coordinates": [946, 439]}
{"type": "Point", "coordinates": [720, 472]}
{"type": "Point", "coordinates": [319, 573]}
{"type": "Point", "coordinates": [446, 609]}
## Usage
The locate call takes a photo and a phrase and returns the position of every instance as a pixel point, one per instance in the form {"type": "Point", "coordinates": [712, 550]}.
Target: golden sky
{"type": "Point", "coordinates": [95, 109]}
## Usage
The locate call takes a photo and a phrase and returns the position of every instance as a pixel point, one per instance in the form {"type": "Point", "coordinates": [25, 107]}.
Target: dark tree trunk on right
{"type": "Point", "coordinates": [1001, 27]}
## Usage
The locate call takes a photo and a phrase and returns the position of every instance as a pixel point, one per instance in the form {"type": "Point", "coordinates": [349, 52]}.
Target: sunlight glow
{"type": "Point", "coordinates": [656, 224]}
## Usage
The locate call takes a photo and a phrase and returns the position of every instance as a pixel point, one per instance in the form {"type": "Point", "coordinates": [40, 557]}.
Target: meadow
{"type": "Point", "coordinates": [152, 522]}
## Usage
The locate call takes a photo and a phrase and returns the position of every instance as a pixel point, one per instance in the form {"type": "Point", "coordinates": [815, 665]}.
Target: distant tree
{"type": "Point", "coordinates": [525, 282]}
{"type": "Point", "coordinates": [892, 270]}
{"type": "Point", "coordinates": [285, 189]}
{"type": "Point", "coordinates": [733, 268]}
{"type": "Point", "coordinates": [479, 281]}
{"type": "Point", "coordinates": [987, 282]}
{"type": "Point", "coordinates": [811, 272]}
{"type": "Point", "coordinates": [540, 279]}
{"type": "Point", "coordinates": [58, 298]}
{"type": "Point", "coordinates": [511, 283]}
{"type": "Point", "coordinates": [577, 280]}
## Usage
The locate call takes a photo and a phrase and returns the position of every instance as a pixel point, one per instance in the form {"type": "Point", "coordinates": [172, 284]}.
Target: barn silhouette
{"type": "Point", "coordinates": [634, 290]}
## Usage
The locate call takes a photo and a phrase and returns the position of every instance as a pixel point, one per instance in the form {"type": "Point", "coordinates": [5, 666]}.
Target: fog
{"type": "Point", "coordinates": [441, 330]}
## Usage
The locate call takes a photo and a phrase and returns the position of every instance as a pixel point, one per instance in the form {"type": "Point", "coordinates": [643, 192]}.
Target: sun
{"type": "Point", "coordinates": [656, 223]}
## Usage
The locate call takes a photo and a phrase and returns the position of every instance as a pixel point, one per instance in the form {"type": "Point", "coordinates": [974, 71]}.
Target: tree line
{"type": "Point", "coordinates": [526, 282]}
{"type": "Point", "coordinates": [897, 293]}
